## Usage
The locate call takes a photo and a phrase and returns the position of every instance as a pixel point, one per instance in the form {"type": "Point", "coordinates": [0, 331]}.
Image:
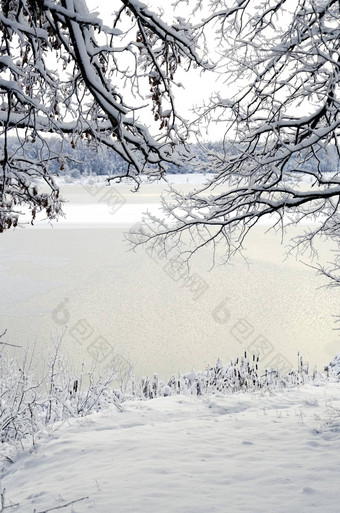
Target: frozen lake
{"type": "Point", "coordinates": [80, 273]}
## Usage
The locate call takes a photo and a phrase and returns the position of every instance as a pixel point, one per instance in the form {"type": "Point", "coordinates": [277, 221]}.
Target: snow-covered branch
{"type": "Point", "coordinates": [65, 72]}
{"type": "Point", "coordinates": [280, 110]}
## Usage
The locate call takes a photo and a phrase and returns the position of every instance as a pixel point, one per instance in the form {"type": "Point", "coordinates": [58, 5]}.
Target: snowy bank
{"type": "Point", "coordinates": [260, 452]}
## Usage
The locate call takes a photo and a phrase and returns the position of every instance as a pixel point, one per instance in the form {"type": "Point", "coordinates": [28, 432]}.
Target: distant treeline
{"type": "Point", "coordinates": [83, 158]}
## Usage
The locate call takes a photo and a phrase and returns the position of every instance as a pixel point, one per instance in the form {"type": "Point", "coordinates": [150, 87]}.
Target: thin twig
{"type": "Point", "coordinates": [10, 345]}
{"type": "Point", "coordinates": [2, 502]}
{"type": "Point", "coordinates": [6, 343]}
{"type": "Point", "coordinates": [61, 506]}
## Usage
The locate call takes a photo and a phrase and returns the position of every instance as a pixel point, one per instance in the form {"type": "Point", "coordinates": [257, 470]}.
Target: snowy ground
{"type": "Point", "coordinates": [267, 452]}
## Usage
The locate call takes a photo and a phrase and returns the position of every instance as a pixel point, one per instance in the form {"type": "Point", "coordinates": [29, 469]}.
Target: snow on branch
{"type": "Point", "coordinates": [64, 72]}
{"type": "Point", "coordinates": [280, 66]}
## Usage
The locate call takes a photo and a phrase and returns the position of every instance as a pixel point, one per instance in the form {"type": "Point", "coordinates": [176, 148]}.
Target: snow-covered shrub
{"type": "Point", "coordinates": [29, 403]}
{"type": "Point", "coordinates": [238, 375]}
{"type": "Point", "coordinates": [333, 369]}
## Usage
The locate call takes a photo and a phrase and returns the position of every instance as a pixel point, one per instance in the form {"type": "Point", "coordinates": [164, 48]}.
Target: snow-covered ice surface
{"type": "Point", "coordinates": [90, 202]}
{"type": "Point", "coordinates": [265, 452]}
{"type": "Point", "coordinates": [84, 262]}
{"type": "Point", "coordinates": [185, 178]}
